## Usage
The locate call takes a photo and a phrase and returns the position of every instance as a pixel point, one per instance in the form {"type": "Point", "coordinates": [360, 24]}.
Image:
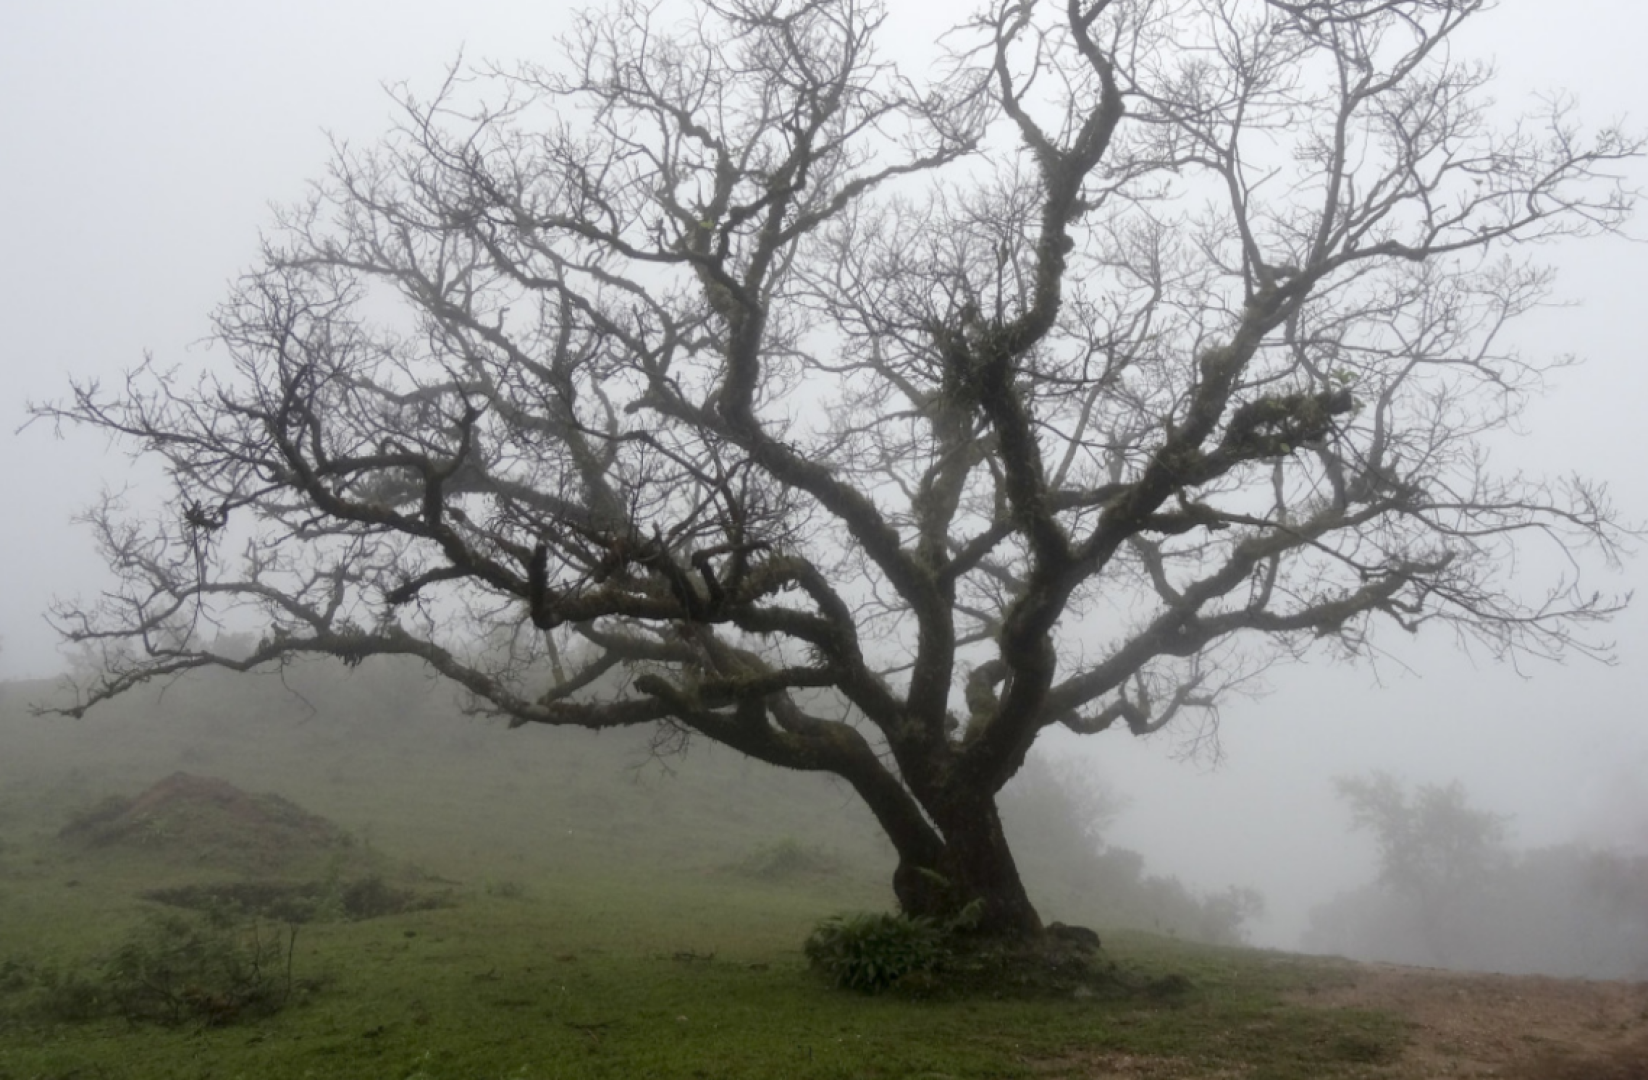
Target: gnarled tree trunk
{"type": "Point", "coordinates": [972, 863]}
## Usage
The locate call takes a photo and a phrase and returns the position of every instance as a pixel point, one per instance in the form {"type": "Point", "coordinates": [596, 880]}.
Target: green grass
{"type": "Point", "coordinates": [630, 976]}
{"type": "Point", "coordinates": [690, 982]}
{"type": "Point", "coordinates": [603, 926]}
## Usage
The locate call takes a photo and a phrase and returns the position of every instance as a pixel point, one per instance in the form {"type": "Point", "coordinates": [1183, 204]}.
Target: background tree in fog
{"type": "Point", "coordinates": [875, 424]}
{"type": "Point", "coordinates": [1451, 892]}
{"type": "Point", "coordinates": [1435, 850]}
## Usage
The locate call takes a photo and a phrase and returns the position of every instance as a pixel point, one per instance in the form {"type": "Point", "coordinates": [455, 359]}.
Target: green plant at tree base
{"type": "Point", "coordinates": [870, 951]}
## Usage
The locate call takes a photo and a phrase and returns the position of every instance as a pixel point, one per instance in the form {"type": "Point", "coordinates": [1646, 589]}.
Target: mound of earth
{"type": "Point", "coordinates": [211, 822]}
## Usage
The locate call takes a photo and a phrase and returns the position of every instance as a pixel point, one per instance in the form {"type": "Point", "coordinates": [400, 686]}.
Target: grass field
{"type": "Point", "coordinates": [600, 918]}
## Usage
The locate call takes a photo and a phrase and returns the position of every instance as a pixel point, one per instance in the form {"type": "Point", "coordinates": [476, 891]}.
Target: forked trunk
{"type": "Point", "coordinates": [944, 869]}
{"type": "Point", "coordinates": [975, 864]}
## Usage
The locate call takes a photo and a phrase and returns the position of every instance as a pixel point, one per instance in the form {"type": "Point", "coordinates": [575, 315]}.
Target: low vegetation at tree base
{"type": "Point", "coordinates": [870, 951]}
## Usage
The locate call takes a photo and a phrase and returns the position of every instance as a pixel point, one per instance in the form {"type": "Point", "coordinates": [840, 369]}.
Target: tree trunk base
{"type": "Point", "coordinates": [975, 884]}
{"type": "Point", "coordinates": [1058, 962]}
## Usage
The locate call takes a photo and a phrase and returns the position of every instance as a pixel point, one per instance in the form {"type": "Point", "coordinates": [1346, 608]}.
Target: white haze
{"type": "Point", "coordinates": [143, 144]}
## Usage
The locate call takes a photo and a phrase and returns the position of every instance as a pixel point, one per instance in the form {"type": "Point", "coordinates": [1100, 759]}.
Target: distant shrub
{"type": "Point", "coordinates": [372, 897]}
{"type": "Point", "coordinates": [787, 860]}
{"type": "Point", "coordinates": [507, 890]}
{"type": "Point", "coordinates": [873, 950]}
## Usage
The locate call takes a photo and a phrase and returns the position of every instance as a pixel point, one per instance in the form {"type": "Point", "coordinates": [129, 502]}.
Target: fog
{"type": "Point", "coordinates": [144, 144]}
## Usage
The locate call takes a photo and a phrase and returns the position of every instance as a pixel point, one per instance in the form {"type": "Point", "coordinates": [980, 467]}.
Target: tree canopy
{"type": "Point", "coordinates": [875, 423]}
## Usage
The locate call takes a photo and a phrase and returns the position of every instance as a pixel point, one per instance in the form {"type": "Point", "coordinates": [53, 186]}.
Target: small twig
{"type": "Point", "coordinates": [592, 1030]}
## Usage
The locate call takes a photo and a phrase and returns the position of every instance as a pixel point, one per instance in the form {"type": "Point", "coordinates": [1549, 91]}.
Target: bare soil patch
{"type": "Point", "coordinates": [210, 822]}
{"type": "Point", "coordinates": [1504, 1026]}
{"type": "Point", "coordinates": [285, 861]}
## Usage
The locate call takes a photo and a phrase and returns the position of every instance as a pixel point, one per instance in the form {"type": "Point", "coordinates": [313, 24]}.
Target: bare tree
{"type": "Point", "coordinates": [873, 425]}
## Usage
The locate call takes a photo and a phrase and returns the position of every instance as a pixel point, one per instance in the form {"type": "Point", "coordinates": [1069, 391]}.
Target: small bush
{"type": "Point", "coordinates": [15, 974]}
{"type": "Point", "coordinates": [213, 971]}
{"type": "Point", "coordinates": [872, 951]}
{"type": "Point", "coordinates": [68, 995]}
{"type": "Point", "coordinates": [49, 992]}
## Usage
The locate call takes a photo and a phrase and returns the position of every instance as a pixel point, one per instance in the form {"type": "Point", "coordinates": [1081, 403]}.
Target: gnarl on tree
{"type": "Point", "coordinates": [723, 378]}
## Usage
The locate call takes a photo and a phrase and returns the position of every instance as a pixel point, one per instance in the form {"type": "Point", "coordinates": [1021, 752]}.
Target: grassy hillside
{"type": "Point", "coordinates": [601, 914]}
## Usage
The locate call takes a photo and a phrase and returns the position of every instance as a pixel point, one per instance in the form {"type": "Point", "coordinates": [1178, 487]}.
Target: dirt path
{"type": "Point", "coordinates": [1465, 1027]}
{"type": "Point", "coordinates": [1520, 1027]}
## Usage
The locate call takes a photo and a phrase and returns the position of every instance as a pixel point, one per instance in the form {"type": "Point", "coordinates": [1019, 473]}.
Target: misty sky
{"type": "Point", "coordinates": [142, 145]}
